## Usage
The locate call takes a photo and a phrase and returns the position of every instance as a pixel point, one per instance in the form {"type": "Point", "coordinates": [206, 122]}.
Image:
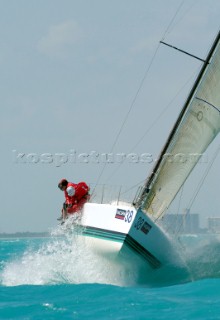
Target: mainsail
{"type": "Point", "coordinates": [196, 127]}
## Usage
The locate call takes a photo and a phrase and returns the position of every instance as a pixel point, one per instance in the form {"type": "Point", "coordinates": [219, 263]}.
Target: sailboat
{"type": "Point", "coordinates": [130, 233]}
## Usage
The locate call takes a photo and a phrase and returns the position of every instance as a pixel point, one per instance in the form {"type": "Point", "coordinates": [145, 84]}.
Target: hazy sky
{"type": "Point", "coordinates": [70, 73]}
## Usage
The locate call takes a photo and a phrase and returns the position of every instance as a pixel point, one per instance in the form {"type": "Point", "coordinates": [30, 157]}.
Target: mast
{"type": "Point", "coordinates": [147, 185]}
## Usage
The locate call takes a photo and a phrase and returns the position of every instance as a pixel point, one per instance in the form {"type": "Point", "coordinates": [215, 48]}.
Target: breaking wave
{"type": "Point", "coordinates": [65, 258]}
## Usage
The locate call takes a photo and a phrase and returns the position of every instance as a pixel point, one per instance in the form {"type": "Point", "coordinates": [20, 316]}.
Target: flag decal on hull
{"type": "Point", "coordinates": [120, 214]}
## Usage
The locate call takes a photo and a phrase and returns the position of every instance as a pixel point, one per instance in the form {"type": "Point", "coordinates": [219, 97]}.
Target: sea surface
{"type": "Point", "coordinates": [59, 278]}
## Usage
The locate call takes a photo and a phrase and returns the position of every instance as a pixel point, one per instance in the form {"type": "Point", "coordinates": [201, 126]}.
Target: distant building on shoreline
{"type": "Point", "coordinates": [189, 223]}
{"type": "Point", "coordinates": [26, 234]}
{"type": "Point", "coordinates": [183, 223]}
{"type": "Point", "coordinates": [214, 224]}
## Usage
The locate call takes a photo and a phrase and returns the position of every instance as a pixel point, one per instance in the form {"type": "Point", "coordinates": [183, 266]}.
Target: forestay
{"type": "Point", "coordinates": [196, 128]}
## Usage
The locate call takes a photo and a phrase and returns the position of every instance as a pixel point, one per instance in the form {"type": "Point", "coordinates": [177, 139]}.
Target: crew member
{"type": "Point", "coordinates": [76, 195]}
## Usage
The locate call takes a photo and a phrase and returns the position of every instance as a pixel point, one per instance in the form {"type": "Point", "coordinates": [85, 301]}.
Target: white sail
{"type": "Point", "coordinates": [196, 129]}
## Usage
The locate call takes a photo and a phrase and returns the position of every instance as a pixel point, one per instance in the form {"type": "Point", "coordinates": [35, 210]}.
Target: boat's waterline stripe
{"type": "Point", "coordinates": [122, 237]}
{"type": "Point", "coordinates": [133, 244]}
{"type": "Point", "coordinates": [103, 234]}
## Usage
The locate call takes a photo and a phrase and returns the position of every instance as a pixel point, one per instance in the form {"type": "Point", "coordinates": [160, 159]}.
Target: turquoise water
{"type": "Point", "coordinates": [58, 278]}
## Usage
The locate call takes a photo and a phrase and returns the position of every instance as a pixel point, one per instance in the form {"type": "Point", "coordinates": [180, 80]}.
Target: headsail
{"type": "Point", "coordinates": [196, 127]}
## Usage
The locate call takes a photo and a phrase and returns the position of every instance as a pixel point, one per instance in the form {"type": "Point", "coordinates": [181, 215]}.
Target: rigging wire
{"type": "Point", "coordinates": [178, 228]}
{"type": "Point", "coordinates": [175, 226]}
{"type": "Point", "coordinates": [137, 93]}
{"type": "Point", "coordinates": [203, 178]}
{"type": "Point", "coordinates": [129, 111]}
{"type": "Point", "coordinates": [152, 125]}
{"type": "Point", "coordinates": [181, 18]}
{"type": "Point", "coordinates": [172, 20]}
{"type": "Point", "coordinates": [134, 186]}
{"type": "Point", "coordinates": [196, 192]}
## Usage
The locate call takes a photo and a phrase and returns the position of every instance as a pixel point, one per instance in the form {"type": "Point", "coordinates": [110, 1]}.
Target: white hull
{"type": "Point", "coordinates": [126, 236]}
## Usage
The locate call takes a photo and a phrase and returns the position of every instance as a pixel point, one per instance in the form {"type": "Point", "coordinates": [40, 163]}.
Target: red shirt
{"type": "Point", "coordinates": [81, 189]}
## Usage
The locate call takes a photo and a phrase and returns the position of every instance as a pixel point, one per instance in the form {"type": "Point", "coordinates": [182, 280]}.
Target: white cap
{"type": "Point", "coordinates": [70, 191]}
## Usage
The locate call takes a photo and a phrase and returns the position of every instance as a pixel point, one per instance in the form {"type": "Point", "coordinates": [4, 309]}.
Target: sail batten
{"type": "Point", "coordinates": [217, 108]}
{"type": "Point", "coordinates": [196, 127]}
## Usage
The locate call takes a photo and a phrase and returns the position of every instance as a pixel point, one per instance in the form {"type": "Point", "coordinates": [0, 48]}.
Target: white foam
{"type": "Point", "coordinates": [62, 260]}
